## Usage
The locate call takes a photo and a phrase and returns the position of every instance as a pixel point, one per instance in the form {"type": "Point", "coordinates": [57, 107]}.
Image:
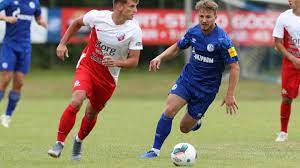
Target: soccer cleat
{"type": "Point", "coordinates": [197, 126]}
{"type": "Point", "coordinates": [282, 136]}
{"type": "Point", "coordinates": [76, 151]}
{"type": "Point", "coordinates": [56, 150]}
{"type": "Point", "coordinates": [149, 154]}
{"type": "Point", "coordinates": [5, 120]}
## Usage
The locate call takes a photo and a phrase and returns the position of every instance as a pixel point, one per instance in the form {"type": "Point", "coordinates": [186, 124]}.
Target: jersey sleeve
{"type": "Point", "coordinates": [4, 4]}
{"type": "Point", "coordinates": [89, 17]}
{"type": "Point", "coordinates": [279, 28]}
{"type": "Point", "coordinates": [184, 42]}
{"type": "Point", "coordinates": [38, 11]}
{"type": "Point", "coordinates": [228, 51]}
{"type": "Point", "coordinates": [136, 40]}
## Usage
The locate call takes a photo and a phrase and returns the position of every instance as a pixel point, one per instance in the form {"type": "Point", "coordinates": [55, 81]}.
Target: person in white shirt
{"type": "Point", "coordinates": [287, 41]}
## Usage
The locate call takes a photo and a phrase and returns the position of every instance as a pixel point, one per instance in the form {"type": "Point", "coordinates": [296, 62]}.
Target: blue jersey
{"type": "Point", "coordinates": [210, 54]}
{"type": "Point", "coordinates": [18, 34]}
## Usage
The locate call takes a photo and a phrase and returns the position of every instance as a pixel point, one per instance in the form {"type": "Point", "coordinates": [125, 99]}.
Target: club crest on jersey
{"type": "Point", "coordinates": [31, 5]}
{"type": "Point", "coordinates": [210, 47]}
{"type": "Point", "coordinates": [15, 2]}
{"type": "Point", "coordinates": [120, 36]}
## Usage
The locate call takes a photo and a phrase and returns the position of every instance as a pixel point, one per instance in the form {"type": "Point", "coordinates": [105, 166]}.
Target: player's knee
{"type": "Point", "coordinates": [170, 111]}
{"type": "Point", "coordinates": [287, 100]}
{"type": "Point", "coordinates": [91, 115]}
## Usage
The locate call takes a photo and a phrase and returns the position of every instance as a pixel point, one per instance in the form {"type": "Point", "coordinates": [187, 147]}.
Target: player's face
{"type": "Point", "coordinates": [129, 9]}
{"type": "Point", "coordinates": [294, 4]}
{"type": "Point", "coordinates": [207, 19]}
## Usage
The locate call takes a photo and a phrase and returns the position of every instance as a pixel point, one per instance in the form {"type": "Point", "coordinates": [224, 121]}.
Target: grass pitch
{"type": "Point", "coordinates": [126, 126]}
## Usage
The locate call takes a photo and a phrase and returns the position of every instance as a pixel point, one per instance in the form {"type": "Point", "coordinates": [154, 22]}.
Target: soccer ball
{"type": "Point", "coordinates": [183, 154]}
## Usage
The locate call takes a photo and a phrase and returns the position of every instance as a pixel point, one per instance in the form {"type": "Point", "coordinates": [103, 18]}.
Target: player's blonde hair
{"type": "Point", "coordinates": [124, 1]}
{"type": "Point", "coordinates": [207, 4]}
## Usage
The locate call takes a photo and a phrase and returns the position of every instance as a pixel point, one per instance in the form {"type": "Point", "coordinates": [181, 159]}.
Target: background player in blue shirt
{"type": "Point", "coordinates": [200, 79]}
{"type": "Point", "coordinates": [15, 54]}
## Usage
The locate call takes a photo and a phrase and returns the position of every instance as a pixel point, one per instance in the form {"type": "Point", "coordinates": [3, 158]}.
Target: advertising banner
{"type": "Point", "coordinates": [165, 26]}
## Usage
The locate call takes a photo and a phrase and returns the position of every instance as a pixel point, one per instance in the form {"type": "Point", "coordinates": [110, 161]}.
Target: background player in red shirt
{"type": "Point", "coordinates": [287, 40]}
{"type": "Point", "coordinates": [115, 42]}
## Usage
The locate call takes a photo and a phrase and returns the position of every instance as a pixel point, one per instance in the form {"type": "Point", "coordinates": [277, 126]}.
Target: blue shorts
{"type": "Point", "coordinates": [197, 100]}
{"type": "Point", "coordinates": [14, 60]}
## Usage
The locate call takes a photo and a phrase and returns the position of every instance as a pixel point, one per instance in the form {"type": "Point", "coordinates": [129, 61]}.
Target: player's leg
{"type": "Point", "coordinates": [285, 112]}
{"type": "Point", "coordinates": [164, 125]}
{"type": "Point", "coordinates": [196, 109]}
{"type": "Point", "coordinates": [188, 123]}
{"type": "Point", "coordinates": [87, 124]}
{"type": "Point", "coordinates": [67, 121]}
{"type": "Point", "coordinates": [289, 91]}
{"type": "Point", "coordinates": [7, 66]}
{"type": "Point", "coordinates": [4, 81]}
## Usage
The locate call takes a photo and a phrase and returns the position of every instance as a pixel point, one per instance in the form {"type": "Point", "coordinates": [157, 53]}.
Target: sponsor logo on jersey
{"type": "Point", "coordinates": [105, 50]}
{"type": "Point", "coordinates": [32, 5]}
{"type": "Point", "coordinates": [24, 17]}
{"type": "Point", "coordinates": [232, 52]}
{"type": "Point", "coordinates": [210, 47]}
{"type": "Point", "coordinates": [204, 59]}
{"type": "Point", "coordinates": [120, 36]}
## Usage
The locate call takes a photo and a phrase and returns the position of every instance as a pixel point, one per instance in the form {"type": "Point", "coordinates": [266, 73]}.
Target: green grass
{"type": "Point", "coordinates": [126, 127]}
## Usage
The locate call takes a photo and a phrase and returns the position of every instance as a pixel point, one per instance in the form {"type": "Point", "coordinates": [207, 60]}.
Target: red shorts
{"type": "Point", "coordinates": [98, 86]}
{"type": "Point", "coordinates": [290, 83]}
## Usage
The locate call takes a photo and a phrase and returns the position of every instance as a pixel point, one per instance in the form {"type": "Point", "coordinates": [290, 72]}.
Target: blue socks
{"type": "Point", "coordinates": [1, 95]}
{"type": "Point", "coordinates": [12, 102]}
{"type": "Point", "coordinates": [163, 129]}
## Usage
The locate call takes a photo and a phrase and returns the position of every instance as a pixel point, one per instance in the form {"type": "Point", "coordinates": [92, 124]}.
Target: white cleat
{"type": "Point", "coordinates": [5, 120]}
{"type": "Point", "coordinates": [56, 150]}
{"type": "Point", "coordinates": [282, 136]}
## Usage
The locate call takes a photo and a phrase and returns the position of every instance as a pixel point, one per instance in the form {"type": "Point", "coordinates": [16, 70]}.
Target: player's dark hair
{"type": "Point", "coordinates": [123, 1]}
{"type": "Point", "coordinates": [207, 4]}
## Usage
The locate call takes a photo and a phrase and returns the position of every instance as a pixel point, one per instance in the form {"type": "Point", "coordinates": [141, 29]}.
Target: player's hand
{"type": "Point", "coordinates": [154, 64]}
{"type": "Point", "coordinates": [109, 61]}
{"type": "Point", "coordinates": [11, 19]}
{"type": "Point", "coordinates": [62, 51]}
{"type": "Point", "coordinates": [296, 63]}
{"type": "Point", "coordinates": [231, 105]}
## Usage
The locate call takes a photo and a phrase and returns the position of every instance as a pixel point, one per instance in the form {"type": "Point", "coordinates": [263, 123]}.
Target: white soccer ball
{"type": "Point", "coordinates": [183, 154]}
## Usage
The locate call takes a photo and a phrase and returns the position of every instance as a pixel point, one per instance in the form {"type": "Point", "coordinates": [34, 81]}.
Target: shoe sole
{"type": "Point", "coordinates": [53, 155]}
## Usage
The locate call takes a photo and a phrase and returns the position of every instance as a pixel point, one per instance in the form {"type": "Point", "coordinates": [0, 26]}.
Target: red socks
{"type": "Point", "coordinates": [66, 123]}
{"type": "Point", "coordinates": [285, 113]}
{"type": "Point", "coordinates": [86, 127]}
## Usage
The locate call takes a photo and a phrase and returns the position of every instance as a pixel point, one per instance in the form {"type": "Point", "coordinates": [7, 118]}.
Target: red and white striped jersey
{"type": "Point", "coordinates": [288, 28]}
{"type": "Point", "coordinates": [108, 39]}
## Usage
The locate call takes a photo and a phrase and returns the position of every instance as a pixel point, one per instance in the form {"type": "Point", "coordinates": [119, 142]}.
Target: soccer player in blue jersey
{"type": "Point", "coordinates": [15, 53]}
{"type": "Point", "coordinates": [201, 77]}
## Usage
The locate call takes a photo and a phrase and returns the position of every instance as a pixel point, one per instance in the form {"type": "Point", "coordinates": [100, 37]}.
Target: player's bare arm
{"type": "Point", "coordinates": [288, 55]}
{"type": "Point", "coordinates": [169, 53]}
{"type": "Point", "coordinates": [41, 21]}
{"type": "Point", "coordinates": [229, 100]}
{"type": "Point", "coordinates": [131, 62]}
{"type": "Point", "coordinates": [9, 19]}
{"type": "Point", "coordinates": [62, 49]}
